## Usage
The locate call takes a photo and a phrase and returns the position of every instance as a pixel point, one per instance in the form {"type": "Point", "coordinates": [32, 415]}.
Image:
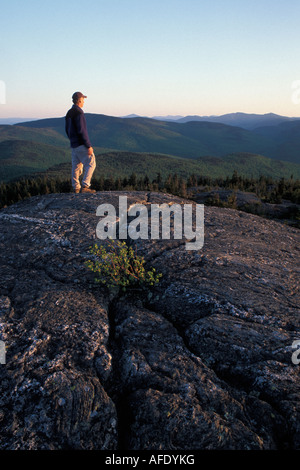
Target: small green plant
{"type": "Point", "coordinates": [118, 266]}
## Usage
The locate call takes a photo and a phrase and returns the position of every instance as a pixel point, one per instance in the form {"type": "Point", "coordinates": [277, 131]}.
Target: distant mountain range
{"type": "Point", "coordinates": [13, 120]}
{"type": "Point", "coordinates": [192, 139]}
{"type": "Point", "coordinates": [243, 120]}
{"type": "Point", "coordinates": [273, 137]}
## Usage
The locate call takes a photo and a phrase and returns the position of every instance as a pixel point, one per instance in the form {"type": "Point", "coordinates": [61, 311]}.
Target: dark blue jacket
{"type": "Point", "coordinates": [76, 129]}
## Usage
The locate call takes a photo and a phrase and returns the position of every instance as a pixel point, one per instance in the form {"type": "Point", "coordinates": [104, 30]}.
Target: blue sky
{"type": "Point", "coordinates": [150, 57]}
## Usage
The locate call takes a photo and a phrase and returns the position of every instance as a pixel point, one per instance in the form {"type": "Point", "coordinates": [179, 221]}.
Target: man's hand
{"type": "Point", "coordinates": [90, 151]}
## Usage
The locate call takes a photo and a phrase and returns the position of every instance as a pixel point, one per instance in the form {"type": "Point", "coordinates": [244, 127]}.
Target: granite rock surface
{"type": "Point", "coordinates": [204, 360]}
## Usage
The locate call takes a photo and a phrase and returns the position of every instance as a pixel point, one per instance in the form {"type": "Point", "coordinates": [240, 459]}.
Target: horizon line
{"type": "Point", "coordinates": [133, 115]}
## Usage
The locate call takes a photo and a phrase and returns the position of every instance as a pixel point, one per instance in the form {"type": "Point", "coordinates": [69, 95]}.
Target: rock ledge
{"type": "Point", "coordinates": [204, 362]}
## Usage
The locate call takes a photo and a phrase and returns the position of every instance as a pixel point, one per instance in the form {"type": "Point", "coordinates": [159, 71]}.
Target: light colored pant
{"type": "Point", "coordinates": [82, 163]}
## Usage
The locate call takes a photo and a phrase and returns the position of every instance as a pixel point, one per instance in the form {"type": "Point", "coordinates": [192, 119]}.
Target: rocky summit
{"type": "Point", "coordinates": [204, 360]}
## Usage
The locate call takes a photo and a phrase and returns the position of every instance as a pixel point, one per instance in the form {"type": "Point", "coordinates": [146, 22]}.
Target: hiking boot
{"type": "Point", "coordinates": [85, 189]}
{"type": "Point", "coordinates": [76, 191]}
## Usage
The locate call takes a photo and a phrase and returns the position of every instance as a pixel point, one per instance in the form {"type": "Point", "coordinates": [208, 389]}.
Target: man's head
{"type": "Point", "coordinates": [78, 98]}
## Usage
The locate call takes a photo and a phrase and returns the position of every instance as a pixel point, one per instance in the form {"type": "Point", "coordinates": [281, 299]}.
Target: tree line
{"type": "Point", "coordinates": [266, 188]}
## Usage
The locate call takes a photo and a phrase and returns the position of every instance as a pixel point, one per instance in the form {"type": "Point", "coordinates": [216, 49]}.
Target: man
{"type": "Point", "coordinates": [83, 158]}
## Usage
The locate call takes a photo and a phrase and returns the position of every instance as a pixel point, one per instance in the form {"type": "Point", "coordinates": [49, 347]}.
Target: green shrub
{"type": "Point", "coordinates": [119, 266]}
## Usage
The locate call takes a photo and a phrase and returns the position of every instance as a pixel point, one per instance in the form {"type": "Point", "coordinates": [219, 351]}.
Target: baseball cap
{"type": "Point", "coordinates": [78, 95]}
